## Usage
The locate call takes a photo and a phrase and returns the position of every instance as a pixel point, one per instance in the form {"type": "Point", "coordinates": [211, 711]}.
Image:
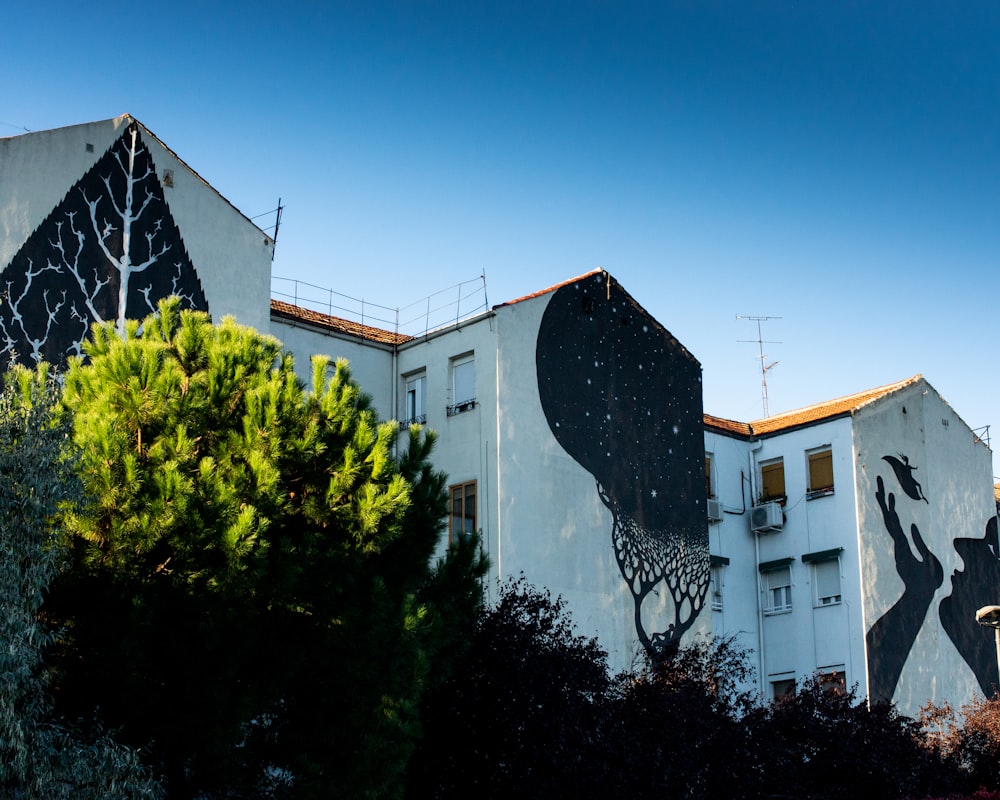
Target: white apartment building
{"type": "Point", "coordinates": [854, 538]}
{"type": "Point", "coordinates": [857, 538]}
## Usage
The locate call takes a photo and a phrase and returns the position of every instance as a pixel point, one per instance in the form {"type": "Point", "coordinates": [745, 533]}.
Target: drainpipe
{"type": "Point", "coordinates": [752, 458]}
{"type": "Point", "coordinates": [395, 387]}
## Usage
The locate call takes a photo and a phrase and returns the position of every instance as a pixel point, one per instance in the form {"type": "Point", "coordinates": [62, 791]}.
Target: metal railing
{"type": "Point", "coordinates": [438, 310]}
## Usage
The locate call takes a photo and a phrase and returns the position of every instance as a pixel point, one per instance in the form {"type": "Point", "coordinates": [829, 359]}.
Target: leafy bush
{"type": "Point", "coordinates": [41, 756]}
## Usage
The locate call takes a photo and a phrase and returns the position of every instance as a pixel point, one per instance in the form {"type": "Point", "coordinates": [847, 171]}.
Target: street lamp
{"type": "Point", "coordinates": [989, 617]}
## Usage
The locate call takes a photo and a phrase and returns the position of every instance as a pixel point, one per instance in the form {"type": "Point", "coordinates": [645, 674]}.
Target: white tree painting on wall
{"type": "Point", "coordinates": [108, 252]}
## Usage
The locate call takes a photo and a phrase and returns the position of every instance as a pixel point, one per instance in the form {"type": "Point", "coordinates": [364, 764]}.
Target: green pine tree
{"type": "Point", "coordinates": [252, 588]}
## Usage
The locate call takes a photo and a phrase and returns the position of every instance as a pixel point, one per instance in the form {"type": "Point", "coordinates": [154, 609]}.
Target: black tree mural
{"type": "Point", "coordinates": [623, 398]}
{"type": "Point", "coordinates": [109, 251]}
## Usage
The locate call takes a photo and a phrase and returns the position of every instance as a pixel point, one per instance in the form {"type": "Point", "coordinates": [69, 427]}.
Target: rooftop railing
{"type": "Point", "coordinates": [438, 310]}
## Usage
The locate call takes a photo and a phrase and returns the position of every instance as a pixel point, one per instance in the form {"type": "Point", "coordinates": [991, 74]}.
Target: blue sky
{"type": "Point", "coordinates": [836, 165]}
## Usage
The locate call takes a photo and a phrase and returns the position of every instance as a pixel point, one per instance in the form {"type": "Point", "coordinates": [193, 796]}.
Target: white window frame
{"type": "Point", "coordinates": [716, 586]}
{"type": "Point", "coordinates": [821, 598]}
{"type": "Point", "coordinates": [463, 382]}
{"type": "Point", "coordinates": [458, 498]}
{"type": "Point", "coordinates": [766, 466]}
{"type": "Point", "coordinates": [777, 590]}
{"type": "Point", "coordinates": [414, 399]}
{"type": "Point", "coordinates": [813, 492]}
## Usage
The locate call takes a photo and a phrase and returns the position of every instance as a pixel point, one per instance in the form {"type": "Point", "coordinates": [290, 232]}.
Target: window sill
{"type": "Point", "coordinates": [777, 611]}
{"type": "Point", "coordinates": [815, 494]}
{"type": "Point", "coordinates": [460, 408]}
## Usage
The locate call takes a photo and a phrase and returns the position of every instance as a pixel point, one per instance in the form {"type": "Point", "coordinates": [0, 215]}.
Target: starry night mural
{"type": "Point", "coordinates": [108, 252]}
{"type": "Point", "coordinates": [623, 398]}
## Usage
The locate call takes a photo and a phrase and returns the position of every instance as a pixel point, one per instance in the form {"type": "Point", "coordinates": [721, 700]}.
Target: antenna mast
{"type": "Point", "coordinates": [764, 366]}
{"type": "Point", "coordinates": [277, 224]}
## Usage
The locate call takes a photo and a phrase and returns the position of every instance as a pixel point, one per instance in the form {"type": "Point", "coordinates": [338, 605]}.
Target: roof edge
{"type": "Point", "coordinates": [553, 288]}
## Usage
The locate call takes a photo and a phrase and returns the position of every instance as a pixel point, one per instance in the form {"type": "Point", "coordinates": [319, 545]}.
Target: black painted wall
{"type": "Point", "coordinates": [624, 399]}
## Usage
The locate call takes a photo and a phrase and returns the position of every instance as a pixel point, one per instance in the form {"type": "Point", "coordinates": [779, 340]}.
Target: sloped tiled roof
{"type": "Point", "coordinates": [820, 412]}
{"type": "Point", "coordinates": [287, 311]}
{"type": "Point", "coordinates": [549, 289]}
{"type": "Point", "coordinates": [728, 425]}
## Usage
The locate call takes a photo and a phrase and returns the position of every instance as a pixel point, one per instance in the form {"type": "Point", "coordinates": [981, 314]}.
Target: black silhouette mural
{"type": "Point", "coordinates": [891, 638]}
{"type": "Point", "coordinates": [623, 398]}
{"type": "Point", "coordinates": [109, 251]}
{"type": "Point", "coordinates": [904, 474]}
{"type": "Point", "coordinates": [973, 587]}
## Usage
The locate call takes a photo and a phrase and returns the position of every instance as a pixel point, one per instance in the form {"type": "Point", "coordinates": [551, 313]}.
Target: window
{"type": "Point", "coordinates": [820, 473]}
{"type": "Point", "coordinates": [414, 397]}
{"type": "Point", "coordinates": [832, 680]}
{"type": "Point", "coordinates": [462, 520]}
{"type": "Point", "coordinates": [708, 476]}
{"type": "Point", "coordinates": [782, 687]}
{"type": "Point", "coordinates": [772, 480]}
{"type": "Point", "coordinates": [825, 576]}
{"type": "Point", "coordinates": [826, 579]}
{"type": "Point", "coordinates": [716, 583]}
{"type": "Point", "coordinates": [777, 589]}
{"type": "Point", "coordinates": [715, 586]}
{"type": "Point", "coordinates": [463, 384]}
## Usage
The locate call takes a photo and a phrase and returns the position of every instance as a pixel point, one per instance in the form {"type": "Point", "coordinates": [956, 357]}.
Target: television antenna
{"type": "Point", "coordinates": [764, 366]}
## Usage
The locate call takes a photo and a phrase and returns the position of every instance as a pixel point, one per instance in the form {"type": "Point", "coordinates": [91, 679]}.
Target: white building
{"type": "Point", "coordinates": [855, 538]}
{"type": "Point", "coordinates": [98, 222]}
{"type": "Point", "coordinates": [570, 424]}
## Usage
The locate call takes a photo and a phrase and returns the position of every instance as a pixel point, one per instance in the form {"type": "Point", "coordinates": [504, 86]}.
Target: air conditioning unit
{"type": "Point", "coordinates": [766, 517]}
{"type": "Point", "coordinates": [714, 510]}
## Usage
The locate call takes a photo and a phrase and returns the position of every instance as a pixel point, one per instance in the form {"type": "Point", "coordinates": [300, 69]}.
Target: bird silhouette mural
{"type": "Point", "coordinates": [623, 398]}
{"type": "Point", "coordinates": [904, 474]}
{"type": "Point", "coordinates": [109, 251]}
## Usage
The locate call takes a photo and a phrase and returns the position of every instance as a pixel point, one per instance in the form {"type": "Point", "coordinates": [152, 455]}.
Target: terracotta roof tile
{"type": "Point", "coordinates": [809, 415]}
{"type": "Point", "coordinates": [727, 425]}
{"type": "Point", "coordinates": [827, 410]}
{"type": "Point", "coordinates": [549, 289]}
{"type": "Point", "coordinates": [282, 310]}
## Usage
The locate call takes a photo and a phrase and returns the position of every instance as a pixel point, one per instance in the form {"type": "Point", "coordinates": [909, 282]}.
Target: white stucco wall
{"type": "Point", "coordinates": [371, 364]}
{"type": "Point", "coordinates": [466, 443]}
{"type": "Point", "coordinates": [953, 470]}
{"type": "Point", "coordinates": [231, 255]}
{"type": "Point", "coordinates": [553, 526]}
{"type": "Point", "coordinates": [36, 171]}
{"type": "Point", "coordinates": [810, 637]}
{"type": "Point", "coordinates": [555, 529]}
